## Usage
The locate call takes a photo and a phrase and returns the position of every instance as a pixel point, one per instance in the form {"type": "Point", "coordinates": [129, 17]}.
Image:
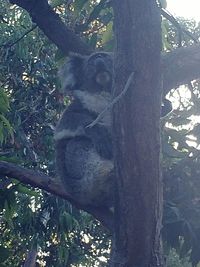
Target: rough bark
{"type": "Point", "coordinates": [138, 202]}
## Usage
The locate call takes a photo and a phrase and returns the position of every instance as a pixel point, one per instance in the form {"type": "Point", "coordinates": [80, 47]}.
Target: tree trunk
{"type": "Point", "coordinates": [136, 119]}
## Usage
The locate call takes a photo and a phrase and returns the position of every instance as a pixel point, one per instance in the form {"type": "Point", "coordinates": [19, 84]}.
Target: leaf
{"type": "Point", "coordinates": [6, 124]}
{"type": "Point", "coordinates": [4, 102]}
{"type": "Point", "coordinates": [10, 159]}
{"type": "Point", "coordinates": [165, 42]}
{"type": "Point", "coordinates": [59, 56]}
{"type": "Point", "coordinates": [2, 199]}
{"type": "Point", "coordinates": [55, 3]}
{"type": "Point", "coordinates": [163, 3]}
{"type": "Point", "coordinates": [95, 13]}
{"type": "Point", "coordinates": [195, 256]}
{"type": "Point", "coordinates": [4, 254]}
{"type": "Point", "coordinates": [108, 34]}
{"type": "Point", "coordinates": [66, 221]}
{"type": "Point", "coordinates": [93, 41]}
{"type": "Point", "coordinates": [181, 121]}
{"type": "Point", "coordinates": [171, 214]}
{"type": "Point", "coordinates": [1, 133]}
{"type": "Point", "coordinates": [63, 255]}
{"type": "Point", "coordinates": [9, 204]}
{"type": "Point", "coordinates": [170, 151]}
{"type": "Point", "coordinates": [25, 190]}
{"type": "Point", "coordinates": [171, 233]}
{"type": "Point", "coordinates": [78, 5]}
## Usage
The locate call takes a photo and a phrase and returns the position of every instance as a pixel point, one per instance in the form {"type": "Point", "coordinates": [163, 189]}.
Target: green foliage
{"type": "Point", "coordinates": [4, 254]}
{"type": "Point", "coordinates": [31, 102]}
{"type": "Point", "coordinates": [181, 160]}
{"type": "Point", "coordinates": [5, 127]}
{"type": "Point", "coordinates": [30, 105]}
{"type": "Point", "coordinates": [173, 260]}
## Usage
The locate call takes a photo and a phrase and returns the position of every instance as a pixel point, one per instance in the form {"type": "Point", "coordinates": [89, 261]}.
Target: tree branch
{"type": "Point", "coordinates": [52, 185]}
{"type": "Point", "coordinates": [52, 26]}
{"type": "Point", "coordinates": [31, 258]}
{"type": "Point", "coordinates": [180, 66]}
{"type": "Point", "coordinates": [178, 27]}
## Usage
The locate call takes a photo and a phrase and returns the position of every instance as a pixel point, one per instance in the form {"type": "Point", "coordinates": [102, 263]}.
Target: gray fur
{"type": "Point", "coordinates": [84, 156]}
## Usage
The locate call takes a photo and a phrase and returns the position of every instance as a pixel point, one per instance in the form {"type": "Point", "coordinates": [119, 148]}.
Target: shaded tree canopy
{"type": "Point", "coordinates": [31, 104]}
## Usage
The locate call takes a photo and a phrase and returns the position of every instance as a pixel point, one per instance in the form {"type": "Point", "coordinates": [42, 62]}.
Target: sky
{"type": "Point", "coordinates": [185, 8]}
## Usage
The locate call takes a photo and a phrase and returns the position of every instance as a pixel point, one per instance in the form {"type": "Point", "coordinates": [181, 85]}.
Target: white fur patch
{"type": "Point", "coordinates": [95, 103]}
{"type": "Point", "coordinates": [68, 82]}
{"type": "Point", "coordinates": [67, 133]}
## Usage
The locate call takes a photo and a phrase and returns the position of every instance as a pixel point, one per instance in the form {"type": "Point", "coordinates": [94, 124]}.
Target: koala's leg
{"type": "Point", "coordinates": [85, 174]}
{"type": "Point", "coordinates": [101, 138]}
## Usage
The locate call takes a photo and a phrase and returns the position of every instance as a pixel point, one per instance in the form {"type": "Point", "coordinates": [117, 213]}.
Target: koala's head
{"type": "Point", "coordinates": [92, 73]}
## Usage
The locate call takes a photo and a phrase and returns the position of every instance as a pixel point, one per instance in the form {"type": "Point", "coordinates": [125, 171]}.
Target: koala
{"type": "Point", "coordinates": [84, 156]}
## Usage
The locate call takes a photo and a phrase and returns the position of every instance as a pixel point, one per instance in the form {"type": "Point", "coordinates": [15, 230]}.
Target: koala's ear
{"type": "Point", "coordinates": [71, 73]}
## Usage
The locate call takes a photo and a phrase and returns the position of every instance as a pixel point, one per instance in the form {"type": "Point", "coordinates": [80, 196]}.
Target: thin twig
{"type": "Point", "coordinates": [172, 19]}
{"type": "Point", "coordinates": [115, 100]}
{"type": "Point", "coordinates": [20, 38]}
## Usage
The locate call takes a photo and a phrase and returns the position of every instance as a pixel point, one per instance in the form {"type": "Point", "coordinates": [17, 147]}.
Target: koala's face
{"type": "Point", "coordinates": [88, 73]}
{"type": "Point", "coordinates": [98, 71]}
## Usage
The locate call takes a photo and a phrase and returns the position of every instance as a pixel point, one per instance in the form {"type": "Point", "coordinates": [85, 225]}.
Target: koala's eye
{"type": "Point", "coordinates": [97, 56]}
{"type": "Point", "coordinates": [100, 61]}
